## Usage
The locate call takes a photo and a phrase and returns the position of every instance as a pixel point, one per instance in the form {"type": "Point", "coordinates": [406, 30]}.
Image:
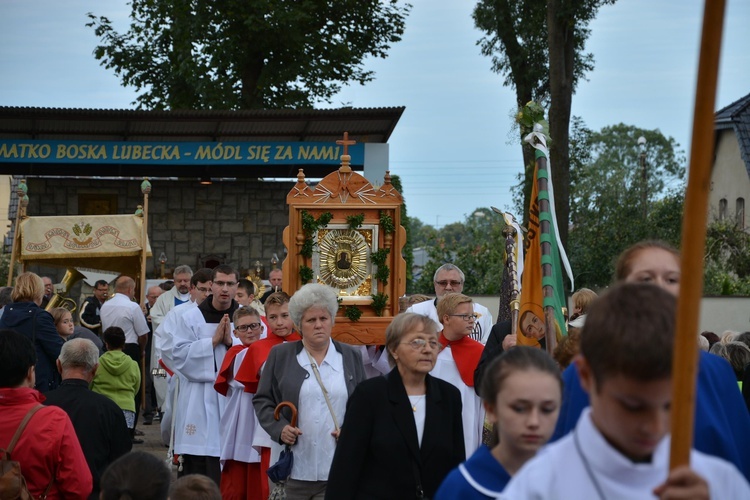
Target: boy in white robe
{"type": "Point", "coordinates": [240, 463]}
{"type": "Point", "coordinates": [620, 446]}
{"type": "Point", "coordinates": [458, 358]}
{"type": "Point", "coordinates": [201, 340]}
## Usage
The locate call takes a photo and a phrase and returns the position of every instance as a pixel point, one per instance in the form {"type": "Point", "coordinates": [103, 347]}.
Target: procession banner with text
{"type": "Point", "coordinates": [79, 236]}
{"type": "Point", "coordinates": [531, 321]}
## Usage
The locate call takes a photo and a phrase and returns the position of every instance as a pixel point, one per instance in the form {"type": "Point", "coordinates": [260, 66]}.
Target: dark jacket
{"type": "Point", "coordinates": [37, 325]}
{"type": "Point", "coordinates": [282, 379]}
{"type": "Point", "coordinates": [99, 424]}
{"type": "Point", "coordinates": [378, 447]}
{"type": "Point", "coordinates": [89, 314]}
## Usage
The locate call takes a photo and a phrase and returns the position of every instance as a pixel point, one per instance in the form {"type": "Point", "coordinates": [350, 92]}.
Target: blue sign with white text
{"type": "Point", "coordinates": [177, 153]}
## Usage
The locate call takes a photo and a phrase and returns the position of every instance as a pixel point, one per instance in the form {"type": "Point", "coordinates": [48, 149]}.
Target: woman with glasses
{"type": "Point", "coordinates": [240, 472]}
{"type": "Point", "coordinates": [403, 432]}
{"type": "Point", "coordinates": [317, 375]}
{"type": "Point", "coordinates": [458, 359]}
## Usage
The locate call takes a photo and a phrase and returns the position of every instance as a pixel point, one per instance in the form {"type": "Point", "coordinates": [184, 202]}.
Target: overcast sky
{"type": "Point", "coordinates": [454, 147]}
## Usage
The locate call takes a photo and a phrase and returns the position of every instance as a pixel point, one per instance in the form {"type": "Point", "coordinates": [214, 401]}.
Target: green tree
{"type": "Point", "coordinates": [408, 251]}
{"type": "Point", "coordinates": [476, 245]}
{"type": "Point", "coordinates": [567, 32]}
{"type": "Point", "coordinates": [421, 234]}
{"type": "Point", "coordinates": [540, 50]}
{"type": "Point", "coordinates": [246, 54]}
{"type": "Point", "coordinates": [518, 50]}
{"type": "Point", "coordinates": [727, 259]}
{"type": "Point", "coordinates": [607, 211]}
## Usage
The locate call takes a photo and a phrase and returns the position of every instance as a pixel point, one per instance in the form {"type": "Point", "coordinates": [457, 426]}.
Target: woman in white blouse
{"type": "Point", "coordinates": [297, 372]}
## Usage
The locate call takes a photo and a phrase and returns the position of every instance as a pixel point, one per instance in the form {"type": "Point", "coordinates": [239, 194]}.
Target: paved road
{"type": "Point", "coordinates": [152, 443]}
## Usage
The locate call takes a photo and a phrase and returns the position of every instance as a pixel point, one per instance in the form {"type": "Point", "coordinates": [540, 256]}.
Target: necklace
{"type": "Point", "coordinates": [415, 400]}
{"type": "Point", "coordinates": [587, 466]}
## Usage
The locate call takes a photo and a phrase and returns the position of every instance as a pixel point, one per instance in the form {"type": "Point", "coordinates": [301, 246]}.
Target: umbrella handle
{"type": "Point", "coordinates": [277, 411]}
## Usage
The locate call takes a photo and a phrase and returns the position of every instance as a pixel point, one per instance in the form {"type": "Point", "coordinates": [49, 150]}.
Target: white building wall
{"type": "Point", "coordinates": [729, 179]}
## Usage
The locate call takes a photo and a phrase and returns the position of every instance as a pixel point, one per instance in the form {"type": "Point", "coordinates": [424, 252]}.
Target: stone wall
{"type": "Point", "coordinates": [241, 220]}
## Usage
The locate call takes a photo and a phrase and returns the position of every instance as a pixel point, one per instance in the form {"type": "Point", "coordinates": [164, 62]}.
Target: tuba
{"type": "Point", "coordinates": [60, 298]}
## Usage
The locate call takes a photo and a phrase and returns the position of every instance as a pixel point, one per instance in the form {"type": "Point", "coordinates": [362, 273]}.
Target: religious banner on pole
{"type": "Point", "coordinates": [542, 294]}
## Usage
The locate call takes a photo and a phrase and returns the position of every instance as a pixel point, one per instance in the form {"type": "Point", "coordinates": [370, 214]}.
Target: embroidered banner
{"type": "Point", "coordinates": [81, 236]}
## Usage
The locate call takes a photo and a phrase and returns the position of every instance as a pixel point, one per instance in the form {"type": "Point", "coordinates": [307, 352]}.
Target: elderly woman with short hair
{"type": "Point", "coordinates": [317, 375]}
{"type": "Point", "coordinates": [26, 317]}
{"type": "Point", "coordinates": [403, 432]}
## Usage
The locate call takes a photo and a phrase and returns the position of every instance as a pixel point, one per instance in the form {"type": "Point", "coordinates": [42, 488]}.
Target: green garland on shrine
{"type": "Point", "coordinates": [352, 312]}
{"type": "Point", "coordinates": [386, 223]}
{"type": "Point", "coordinates": [379, 301]}
{"type": "Point", "coordinates": [305, 274]}
{"type": "Point", "coordinates": [310, 226]}
{"type": "Point", "coordinates": [378, 258]}
{"type": "Point", "coordinates": [355, 221]}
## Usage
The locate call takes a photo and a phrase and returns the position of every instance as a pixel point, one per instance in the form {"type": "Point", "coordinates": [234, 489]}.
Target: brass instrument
{"type": "Point", "coordinates": [60, 298]}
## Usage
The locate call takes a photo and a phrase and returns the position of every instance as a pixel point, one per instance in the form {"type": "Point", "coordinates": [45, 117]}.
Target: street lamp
{"type": "Point", "coordinates": [644, 179]}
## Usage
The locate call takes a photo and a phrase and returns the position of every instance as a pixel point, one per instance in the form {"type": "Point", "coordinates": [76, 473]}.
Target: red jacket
{"type": "Point", "coordinates": [47, 446]}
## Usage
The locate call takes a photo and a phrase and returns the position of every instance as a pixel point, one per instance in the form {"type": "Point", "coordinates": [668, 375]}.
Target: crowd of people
{"type": "Point", "coordinates": [449, 407]}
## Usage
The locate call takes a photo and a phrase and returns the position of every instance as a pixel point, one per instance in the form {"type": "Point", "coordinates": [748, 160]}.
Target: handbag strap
{"type": "Point", "coordinates": [17, 436]}
{"type": "Point", "coordinates": [323, 387]}
{"type": "Point", "coordinates": [418, 478]}
{"type": "Point", "coordinates": [21, 428]}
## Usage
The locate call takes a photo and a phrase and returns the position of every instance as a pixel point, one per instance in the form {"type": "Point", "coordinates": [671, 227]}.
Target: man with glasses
{"type": "Point", "coordinates": [449, 278]}
{"type": "Point", "coordinates": [91, 306]}
{"type": "Point", "coordinates": [201, 340]}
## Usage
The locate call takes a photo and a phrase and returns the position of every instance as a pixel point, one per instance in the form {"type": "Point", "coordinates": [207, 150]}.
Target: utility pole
{"type": "Point", "coordinates": [644, 176]}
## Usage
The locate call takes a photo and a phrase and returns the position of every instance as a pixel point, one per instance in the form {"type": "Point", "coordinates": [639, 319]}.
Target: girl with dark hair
{"type": "Point", "coordinates": [521, 392]}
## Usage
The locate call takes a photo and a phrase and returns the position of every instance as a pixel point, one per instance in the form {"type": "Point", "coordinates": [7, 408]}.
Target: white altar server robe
{"type": "Point", "coordinates": [473, 411]}
{"type": "Point", "coordinates": [238, 422]}
{"type": "Point", "coordinates": [559, 471]}
{"type": "Point", "coordinates": [199, 406]}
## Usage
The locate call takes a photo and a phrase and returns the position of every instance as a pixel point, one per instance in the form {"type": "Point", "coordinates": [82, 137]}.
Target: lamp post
{"type": "Point", "coordinates": [644, 176]}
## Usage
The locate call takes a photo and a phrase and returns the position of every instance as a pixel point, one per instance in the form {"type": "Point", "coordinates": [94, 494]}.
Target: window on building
{"type": "Point", "coordinates": [741, 213]}
{"type": "Point", "coordinates": [722, 209]}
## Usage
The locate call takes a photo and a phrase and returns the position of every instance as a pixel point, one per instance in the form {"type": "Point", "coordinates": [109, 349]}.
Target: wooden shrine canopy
{"type": "Point", "coordinates": [190, 143]}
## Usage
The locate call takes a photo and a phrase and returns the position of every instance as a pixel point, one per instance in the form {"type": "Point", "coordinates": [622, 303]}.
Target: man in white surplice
{"type": "Point", "coordinates": [450, 279]}
{"type": "Point", "coordinates": [201, 340]}
{"type": "Point", "coordinates": [200, 288]}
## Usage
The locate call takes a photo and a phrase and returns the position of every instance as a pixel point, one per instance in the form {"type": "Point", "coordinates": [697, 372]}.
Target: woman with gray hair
{"type": "Point", "coordinates": [403, 433]}
{"type": "Point", "coordinates": [316, 375]}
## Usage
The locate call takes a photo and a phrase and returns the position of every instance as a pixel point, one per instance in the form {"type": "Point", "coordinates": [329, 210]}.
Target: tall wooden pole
{"type": "Point", "coordinates": [694, 217]}
{"type": "Point", "coordinates": [146, 190]}
{"type": "Point", "coordinates": [23, 201]}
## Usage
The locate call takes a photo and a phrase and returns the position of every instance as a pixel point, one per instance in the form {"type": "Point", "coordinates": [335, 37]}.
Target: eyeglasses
{"type": "Point", "coordinates": [419, 344]}
{"type": "Point", "coordinates": [445, 283]}
{"type": "Point", "coordinates": [222, 284]}
{"type": "Point", "coordinates": [465, 317]}
{"type": "Point", "coordinates": [244, 328]}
